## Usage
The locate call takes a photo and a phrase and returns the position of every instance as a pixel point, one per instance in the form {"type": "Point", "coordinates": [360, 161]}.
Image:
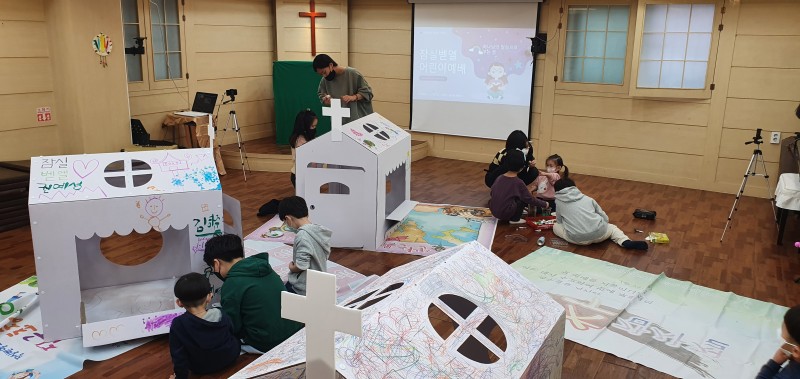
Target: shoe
{"type": "Point", "coordinates": [520, 221]}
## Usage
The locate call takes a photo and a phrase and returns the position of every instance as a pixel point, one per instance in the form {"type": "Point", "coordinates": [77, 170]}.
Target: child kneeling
{"type": "Point", "coordinates": [312, 244]}
{"type": "Point", "coordinates": [510, 195]}
{"type": "Point", "coordinates": [200, 340]}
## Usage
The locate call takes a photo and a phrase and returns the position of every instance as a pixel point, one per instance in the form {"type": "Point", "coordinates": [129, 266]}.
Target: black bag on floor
{"type": "Point", "coordinates": [644, 214]}
{"type": "Point", "coordinates": [269, 208]}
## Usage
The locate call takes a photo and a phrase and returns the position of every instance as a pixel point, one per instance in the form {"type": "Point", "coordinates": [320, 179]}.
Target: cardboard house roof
{"type": "Point", "coordinates": [374, 132]}
{"type": "Point", "coordinates": [470, 285]}
{"type": "Point", "coordinates": [68, 178]}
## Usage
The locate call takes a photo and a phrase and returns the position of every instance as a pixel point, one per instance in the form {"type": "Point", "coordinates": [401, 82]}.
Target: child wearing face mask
{"type": "Point", "coordinates": [543, 185]}
{"type": "Point", "coordinates": [789, 351]}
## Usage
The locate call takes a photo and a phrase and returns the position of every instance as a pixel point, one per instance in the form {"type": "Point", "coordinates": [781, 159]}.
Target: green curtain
{"type": "Point", "coordinates": [295, 84]}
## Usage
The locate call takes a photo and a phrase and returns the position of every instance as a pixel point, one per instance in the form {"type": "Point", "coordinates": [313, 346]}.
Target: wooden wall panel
{"type": "Point", "coordinates": [24, 75]}
{"type": "Point", "coordinates": [19, 111]}
{"type": "Point", "coordinates": [732, 145]}
{"type": "Point", "coordinates": [396, 42]}
{"type": "Point", "coordinates": [23, 39]}
{"type": "Point", "coordinates": [769, 18]}
{"type": "Point", "coordinates": [30, 142]}
{"type": "Point", "coordinates": [230, 38]}
{"type": "Point", "coordinates": [392, 90]}
{"type": "Point", "coordinates": [232, 12]}
{"type": "Point", "coordinates": [249, 88]}
{"type": "Point", "coordinates": [731, 172]}
{"type": "Point", "coordinates": [29, 10]}
{"type": "Point", "coordinates": [655, 166]}
{"type": "Point", "coordinates": [767, 51]}
{"type": "Point", "coordinates": [389, 66]}
{"type": "Point", "coordinates": [325, 39]}
{"type": "Point", "coordinates": [635, 135]}
{"type": "Point", "coordinates": [750, 114]}
{"type": "Point", "coordinates": [668, 112]}
{"type": "Point", "coordinates": [765, 83]}
{"type": "Point", "coordinates": [395, 112]}
{"type": "Point", "coordinates": [232, 65]}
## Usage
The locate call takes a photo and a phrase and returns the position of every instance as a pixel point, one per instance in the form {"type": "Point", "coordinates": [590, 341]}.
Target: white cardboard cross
{"type": "Point", "coordinates": [323, 318]}
{"type": "Point", "coordinates": [336, 113]}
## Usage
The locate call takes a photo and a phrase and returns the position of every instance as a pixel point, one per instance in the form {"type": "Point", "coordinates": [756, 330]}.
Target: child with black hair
{"type": "Point", "coordinates": [581, 221]}
{"type": "Point", "coordinates": [200, 340]}
{"type": "Point", "coordinates": [516, 140]}
{"type": "Point", "coordinates": [311, 243]}
{"type": "Point", "coordinates": [305, 129]}
{"type": "Point", "coordinates": [250, 293]}
{"type": "Point", "coordinates": [509, 195]}
{"type": "Point", "coordinates": [788, 352]}
{"type": "Point", "coordinates": [544, 182]}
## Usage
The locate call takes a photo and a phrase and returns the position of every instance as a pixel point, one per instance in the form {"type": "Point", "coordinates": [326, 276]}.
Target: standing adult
{"type": "Point", "coordinates": [344, 83]}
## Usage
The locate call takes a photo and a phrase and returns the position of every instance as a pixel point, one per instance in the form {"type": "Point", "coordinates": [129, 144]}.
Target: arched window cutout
{"type": "Point", "coordinates": [334, 188]}
{"type": "Point", "coordinates": [374, 297]}
{"type": "Point", "coordinates": [485, 344]}
{"type": "Point", "coordinates": [132, 249]}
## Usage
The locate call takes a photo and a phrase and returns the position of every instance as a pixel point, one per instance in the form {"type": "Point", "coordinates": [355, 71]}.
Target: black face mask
{"type": "Point", "coordinates": [219, 276]}
{"type": "Point", "coordinates": [331, 76]}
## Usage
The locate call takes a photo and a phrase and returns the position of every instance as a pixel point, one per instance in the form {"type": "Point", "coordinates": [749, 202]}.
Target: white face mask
{"type": "Point", "coordinates": [524, 151]}
{"type": "Point", "coordinates": [551, 169]}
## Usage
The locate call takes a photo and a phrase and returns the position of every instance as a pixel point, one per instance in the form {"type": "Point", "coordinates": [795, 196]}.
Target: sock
{"type": "Point", "coordinates": [635, 245]}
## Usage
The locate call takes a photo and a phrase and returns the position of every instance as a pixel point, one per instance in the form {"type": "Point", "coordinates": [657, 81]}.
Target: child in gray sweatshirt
{"type": "Point", "coordinates": [581, 221]}
{"type": "Point", "coordinates": [311, 245]}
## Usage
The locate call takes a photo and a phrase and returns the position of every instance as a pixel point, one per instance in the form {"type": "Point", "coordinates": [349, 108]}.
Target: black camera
{"type": "Point", "coordinates": [231, 92]}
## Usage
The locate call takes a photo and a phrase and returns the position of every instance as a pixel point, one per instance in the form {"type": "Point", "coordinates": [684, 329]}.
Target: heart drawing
{"type": "Point", "coordinates": [84, 169]}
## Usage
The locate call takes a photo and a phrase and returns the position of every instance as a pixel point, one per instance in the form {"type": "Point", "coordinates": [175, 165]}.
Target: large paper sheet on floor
{"type": "Point", "coordinates": [22, 347]}
{"type": "Point", "coordinates": [672, 326]}
{"type": "Point", "coordinates": [347, 280]}
{"type": "Point", "coordinates": [431, 228]}
{"type": "Point", "coordinates": [273, 230]}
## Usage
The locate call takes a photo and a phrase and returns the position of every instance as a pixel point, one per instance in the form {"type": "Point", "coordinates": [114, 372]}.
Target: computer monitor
{"type": "Point", "coordinates": [204, 102]}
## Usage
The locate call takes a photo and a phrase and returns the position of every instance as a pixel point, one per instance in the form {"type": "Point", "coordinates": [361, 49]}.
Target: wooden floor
{"type": "Point", "coordinates": [748, 263]}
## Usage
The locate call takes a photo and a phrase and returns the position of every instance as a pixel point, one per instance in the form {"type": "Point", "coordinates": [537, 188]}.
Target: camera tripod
{"type": "Point", "coordinates": [239, 142]}
{"type": "Point", "coordinates": [752, 170]}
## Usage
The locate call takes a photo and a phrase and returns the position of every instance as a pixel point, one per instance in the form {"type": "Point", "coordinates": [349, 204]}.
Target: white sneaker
{"type": "Point", "coordinates": [520, 221]}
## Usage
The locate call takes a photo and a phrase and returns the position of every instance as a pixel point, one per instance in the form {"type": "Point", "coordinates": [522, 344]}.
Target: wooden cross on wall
{"type": "Point", "coordinates": [313, 14]}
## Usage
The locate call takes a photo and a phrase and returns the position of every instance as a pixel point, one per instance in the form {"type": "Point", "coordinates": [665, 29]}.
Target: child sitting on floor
{"type": "Point", "coordinates": [200, 340]}
{"type": "Point", "coordinates": [509, 195]}
{"type": "Point", "coordinates": [311, 244]}
{"type": "Point", "coordinates": [581, 221]}
{"type": "Point", "coordinates": [543, 185]}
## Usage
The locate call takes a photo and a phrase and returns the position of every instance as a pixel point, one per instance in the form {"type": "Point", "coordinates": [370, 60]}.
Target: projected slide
{"type": "Point", "coordinates": [473, 65]}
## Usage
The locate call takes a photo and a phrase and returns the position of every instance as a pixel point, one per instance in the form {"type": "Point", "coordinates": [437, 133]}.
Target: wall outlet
{"type": "Point", "coordinates": [775, 137]}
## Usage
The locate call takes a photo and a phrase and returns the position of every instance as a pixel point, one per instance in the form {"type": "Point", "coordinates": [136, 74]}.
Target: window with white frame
{"type": "Point", "coordinates": [676, 46]}
{"type": "Point", "coordinates": [159, 22]}
{"type": "Point", "coordinates": [165, 27]}
{"type": "Point", "coordinates": [597, 38]}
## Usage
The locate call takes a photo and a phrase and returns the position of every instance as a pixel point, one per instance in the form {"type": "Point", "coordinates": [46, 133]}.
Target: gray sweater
{"type": "Point", "coordinates": [311, 250]}
{"type": "Point", "coordinates": [582, 218]}
{"type": "Point", "coordinates": [350, 82]}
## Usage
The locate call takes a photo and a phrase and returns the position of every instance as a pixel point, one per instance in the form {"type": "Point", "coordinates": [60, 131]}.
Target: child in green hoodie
{"type": "Point", "coordinates": [250, 293]}
{"type": "Point", "coordinates": [311, 245]}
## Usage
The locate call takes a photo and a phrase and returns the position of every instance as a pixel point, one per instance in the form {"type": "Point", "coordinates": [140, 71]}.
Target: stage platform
{"type": "Point", "coordinates": [265, 155]}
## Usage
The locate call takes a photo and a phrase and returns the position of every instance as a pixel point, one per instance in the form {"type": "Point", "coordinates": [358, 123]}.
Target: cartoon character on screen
{"type": "Point", "coordinates": [496, 81]}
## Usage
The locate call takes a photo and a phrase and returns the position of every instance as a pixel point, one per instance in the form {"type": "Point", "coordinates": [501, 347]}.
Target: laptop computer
{"type": "Point", "coordinates": [204, 103]}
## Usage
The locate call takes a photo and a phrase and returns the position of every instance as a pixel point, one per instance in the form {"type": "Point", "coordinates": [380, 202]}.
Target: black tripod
{"type": "Point", "coordinates": [758, 157]}
{"type": "Point", "coordinates": [239, 142]}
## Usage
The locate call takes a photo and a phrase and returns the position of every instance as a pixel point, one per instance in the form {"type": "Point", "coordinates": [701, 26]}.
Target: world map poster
{"type": "Point", "coordinates": [431, 228]}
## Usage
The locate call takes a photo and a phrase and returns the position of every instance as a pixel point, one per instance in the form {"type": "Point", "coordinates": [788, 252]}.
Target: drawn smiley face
{"type": "Point", "coordinates": [154, 207]}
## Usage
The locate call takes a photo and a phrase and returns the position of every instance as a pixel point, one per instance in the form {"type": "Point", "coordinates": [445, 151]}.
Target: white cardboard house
{"type": "Point", "coordinates": [76, 200]}
{"type": "Point", "coordinates": [461, 313]}
{"type": "Point", "coordinates": [353, 186]}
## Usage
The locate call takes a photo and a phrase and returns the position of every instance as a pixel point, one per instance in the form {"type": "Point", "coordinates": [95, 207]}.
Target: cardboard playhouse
{"type": "Point", "coordinates": [359, 185]}
{"type": "Point", "coordinates": [77, 200]}
{"type": "Point", "coordinates": [461, 313]}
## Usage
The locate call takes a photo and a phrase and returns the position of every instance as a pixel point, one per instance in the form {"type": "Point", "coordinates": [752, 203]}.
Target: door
{"type": "Point", "coordinates": [341, 199]}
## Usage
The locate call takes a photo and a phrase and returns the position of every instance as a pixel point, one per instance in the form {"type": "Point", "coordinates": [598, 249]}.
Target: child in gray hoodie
{"type": "Point", "coordinates": [581, 221]}
{"type": "Point", "coordinates": [311, 245]}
